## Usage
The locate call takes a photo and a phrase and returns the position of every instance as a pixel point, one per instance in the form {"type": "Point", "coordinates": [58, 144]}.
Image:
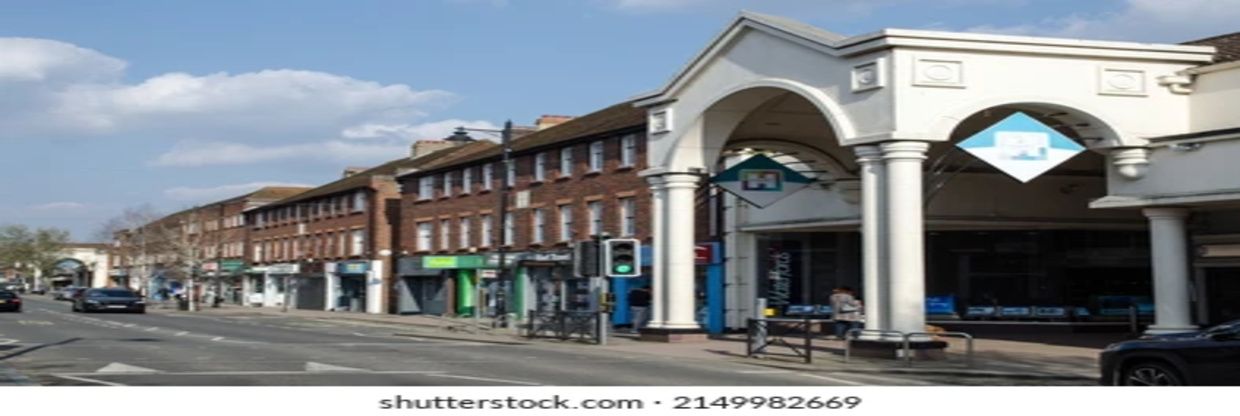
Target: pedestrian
{"type": "Point", "coordinates": [639, 307]}
{"type": "Point", "coordinates": [845, 310]}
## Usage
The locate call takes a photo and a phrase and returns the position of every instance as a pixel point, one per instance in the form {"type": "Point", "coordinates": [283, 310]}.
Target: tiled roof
{"type": "Point", "coordinates": [1228, 46]}
{"type": "Point", "coordinates": [617, 117]}
{"type": "Point", "coordinates": [362, 179]}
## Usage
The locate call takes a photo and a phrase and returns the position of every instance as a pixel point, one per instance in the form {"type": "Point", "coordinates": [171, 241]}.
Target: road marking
{"type": "Point", "coordinates": [236, 373]}
{"type": "Point", "coordinates": [121, 368]}
{"type": "Point", "coordinates": [314, 367]}
{"type": "Point", "coordinates": [154, 328]}
{"type": "Point", "coordinates": [182, 333]}
{"type": "Point", "coordinates": [87, 380]}
{"type": "Point", "coordinates": [764, 371]}
{"type": "Point", "coordinates": [833, 379]}
{"type": "Point", "coordinates": [495, 380]}
{"type": "Point", "coordinates": [43, 323]}
{"type": "Point", "coordinates": [7, 341]}
{"type": "Point", "coordinates": [888, 379]}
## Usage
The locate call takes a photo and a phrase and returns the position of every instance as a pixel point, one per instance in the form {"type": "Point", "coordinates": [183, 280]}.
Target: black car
{"type": "Point", "coordinates": [10, 302]}
{"type": "Point", "coordinates": [119, 300]}
{"type": "Point", "coordinates": [1204, 358]}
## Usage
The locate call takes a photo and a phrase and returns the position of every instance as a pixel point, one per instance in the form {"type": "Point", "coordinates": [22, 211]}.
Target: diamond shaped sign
{"type": "Point", "coordinates": [1021, 147]}
{"type": "Point", "coordinates": [761, 181]}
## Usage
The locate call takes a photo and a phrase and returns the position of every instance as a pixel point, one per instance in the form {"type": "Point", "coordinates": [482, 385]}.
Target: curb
{"type": "Point", "coordinates": [443, 337]}
{"type": "Point", "coordinates": [938, 371]}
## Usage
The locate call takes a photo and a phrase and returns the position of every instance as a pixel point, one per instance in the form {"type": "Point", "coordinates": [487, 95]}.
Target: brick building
{"type": "Point", "coordinates": [209, 238]}
{"type": "Point", "coordinates": [329, 248]}
{"type": "Point", "coordinates": [568, 182]}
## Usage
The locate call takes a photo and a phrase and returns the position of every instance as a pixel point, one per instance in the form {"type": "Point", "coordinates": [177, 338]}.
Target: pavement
{"type": "Point", "coordinates": [1053, 357]}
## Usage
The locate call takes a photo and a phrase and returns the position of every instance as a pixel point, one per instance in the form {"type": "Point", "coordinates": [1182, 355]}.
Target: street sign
{"type": "Point", "coordinates": [761, 181]}
{"type": "Point", "coordinates": [1021, 147]}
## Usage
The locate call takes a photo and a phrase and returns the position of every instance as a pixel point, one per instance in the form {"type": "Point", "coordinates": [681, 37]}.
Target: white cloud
{"type": "Point", "coordinates": [54, 88]}
{"type": "Point", "coordinates": [190, 194]}
{"type": "Point", "coordinates": [793, 8]}
{"type": "Point", "coordinates": [408, 132]}
{"type": "Point", "coordinates": [58, 206]}
{"type": "Point", "coordinates": [194, 154]}
{"type": "Point", "coordinates": [1138, 20]}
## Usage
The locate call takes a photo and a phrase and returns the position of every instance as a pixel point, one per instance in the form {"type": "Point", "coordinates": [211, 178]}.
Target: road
{"type": "Point", "coordinates": [53, 346]}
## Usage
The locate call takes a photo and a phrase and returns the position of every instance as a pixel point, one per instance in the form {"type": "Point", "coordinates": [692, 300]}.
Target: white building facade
{"type": "Point", "coordinates": [899, 211]}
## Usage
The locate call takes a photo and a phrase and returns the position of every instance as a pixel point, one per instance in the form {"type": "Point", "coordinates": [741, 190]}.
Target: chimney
{"type": "Point", "coordinates": [425, 147]}
{"type": "Point", "coordinates": [352, 170]}
{"type": "Point", "coordinates": [550, 120]}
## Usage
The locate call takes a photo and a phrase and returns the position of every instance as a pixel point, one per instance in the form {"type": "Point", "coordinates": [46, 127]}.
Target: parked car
{"type": "Point", "coordinates": [119, 300]}
{"type": "Point", "coordinates": [68, 293]}
{"type": "Point", "coordinates": [1207, 358]}
{"type": "Point", "coordinates": [38, 291]}
{"type": "Point", "coordinates": [10, 302]}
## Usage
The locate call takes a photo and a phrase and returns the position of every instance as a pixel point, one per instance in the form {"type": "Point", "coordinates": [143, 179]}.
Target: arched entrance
{"type": "Point", "coordinates": [69, 272]}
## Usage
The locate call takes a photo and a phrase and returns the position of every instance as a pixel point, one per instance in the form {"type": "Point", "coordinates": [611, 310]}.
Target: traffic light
{"type": "Point", "coordinates": [622, 257]}
{"type": "Point", "coordinates": [585, 259]}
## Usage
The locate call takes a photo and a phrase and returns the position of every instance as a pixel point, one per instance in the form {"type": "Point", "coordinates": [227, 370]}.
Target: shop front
{"type": "Point", "coordinates": [422, 290]}
{"type": "Point", "coordinates": [232, 276]}
{"type": "Point", "coordinates": [276, 283]}
{"type": "Point", "coordinates": [308, 288]}
{"type": "Point", "coordinates": [349, 286]}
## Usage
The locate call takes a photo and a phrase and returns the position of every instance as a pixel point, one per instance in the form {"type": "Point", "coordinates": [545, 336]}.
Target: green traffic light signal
{"type": "Point", "coordinates": [624, 268]}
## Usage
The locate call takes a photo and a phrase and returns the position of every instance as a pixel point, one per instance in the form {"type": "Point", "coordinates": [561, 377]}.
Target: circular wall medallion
{"type": "Point", "coordinates": [1122, 81]}
{"type": "Point", "coordinates": [939, 72]}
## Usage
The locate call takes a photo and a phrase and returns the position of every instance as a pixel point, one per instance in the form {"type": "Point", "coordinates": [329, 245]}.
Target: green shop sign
{"type": "Point", "coordinates": [232, 266]}
{"type": "Point", "coordinates": [452, 262]}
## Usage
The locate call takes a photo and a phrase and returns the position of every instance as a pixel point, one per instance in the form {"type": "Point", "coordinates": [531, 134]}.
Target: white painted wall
{"type": "Point", "coordinates": [375, 292]}
{"type": "Point", "coordinates": [1214, 98]}
{"type": "Point", "coordinates": [1211, 168]}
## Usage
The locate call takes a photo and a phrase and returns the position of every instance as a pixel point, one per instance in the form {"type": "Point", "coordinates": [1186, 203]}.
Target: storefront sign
{"type": "Point", "coordinates": [232, 266]}
{"type": "Point", "coordinates": [546, 257]}
{"type": "Point", "coordinates": [761, 181]}
{"type": "Point", "coordinates": [352, 267]}
{"type": "Point", "coordinates": [258, 270]}
{"type": "Point", "coordinates": [284, 268]}
{"type": "Point", "coordinates": [452, 262]}
{"type": "Point", "coordinates": [1021, 147]}
{"type": "Point", "coordinates": [781, 274]}
{"type": "Point", "coordinates": [210, 266]}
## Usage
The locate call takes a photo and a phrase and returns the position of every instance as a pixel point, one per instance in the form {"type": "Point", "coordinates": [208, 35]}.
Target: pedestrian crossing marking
{"type": "Point", "coordinates": [35, 323]}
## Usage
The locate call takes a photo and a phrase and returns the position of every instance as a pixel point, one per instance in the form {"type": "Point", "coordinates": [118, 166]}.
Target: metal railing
{"type": "Point", "coordinates": [761, 334]}
{"type": "Point", "coordinates": [564, 325]}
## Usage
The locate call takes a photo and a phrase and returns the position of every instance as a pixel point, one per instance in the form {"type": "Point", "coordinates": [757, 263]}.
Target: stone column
{"type": "Point", "coordinates": [874, 282]}
{"type": "Point", "coordinates": [658, 300]}
{"type": "Point", "coordinates": [904, 234]}
{"type": "Point", "coordinates": [1169, 253]}
{"type": "Point", "coordinates": [678, 250]}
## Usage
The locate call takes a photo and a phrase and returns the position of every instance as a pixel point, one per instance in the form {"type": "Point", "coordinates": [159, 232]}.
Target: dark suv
{"type": "Point", "coordinates": [9, 301]}
{"type": "Point", "coordinates": [119, 300]}
{"type": "Point", "coordinates": [1205, 358]}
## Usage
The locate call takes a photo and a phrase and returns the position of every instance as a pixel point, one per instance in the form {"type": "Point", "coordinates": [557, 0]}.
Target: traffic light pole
{"type": "Point", "coordinates": [604, 317]}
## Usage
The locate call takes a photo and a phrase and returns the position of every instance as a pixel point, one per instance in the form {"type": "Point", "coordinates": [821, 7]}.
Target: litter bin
{"type": "Point", "coordinates": [182, 304]}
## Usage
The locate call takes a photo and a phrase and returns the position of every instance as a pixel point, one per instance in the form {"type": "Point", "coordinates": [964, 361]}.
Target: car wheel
{"type": "Point", "coordinates": [1151, 373]}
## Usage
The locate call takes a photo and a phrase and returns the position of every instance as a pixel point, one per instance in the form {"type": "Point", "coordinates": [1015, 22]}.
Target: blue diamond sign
{"type": "Point", "coordinates": [761, 181]}
{"type": "Point", "coordinates": [1021, 147]}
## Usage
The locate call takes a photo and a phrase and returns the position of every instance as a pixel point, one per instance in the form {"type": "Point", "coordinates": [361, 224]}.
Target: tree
{"type": "Point", "coordinates": [131, 243]}
{"type": "Point", "coordinates": [33, 252]}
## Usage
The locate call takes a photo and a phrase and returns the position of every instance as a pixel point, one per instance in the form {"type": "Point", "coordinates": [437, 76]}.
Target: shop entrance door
{"type": "Point", "coordinates": [429, 294]}
{"type": "Point", "coordinates": [310, 292]}
{"type": "Point", "coordinates": [1223, 293]}
{"type": "Point", "coordinates": [352, 294]}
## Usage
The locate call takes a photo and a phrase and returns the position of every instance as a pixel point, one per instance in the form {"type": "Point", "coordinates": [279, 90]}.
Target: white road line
{"type": "Point", "coordinates": [182, 333]}
{"type": "Point", "coordinates": [122, 368]}
{"type": "Point", "coordinates": [154, 328]}
{"type": "Point", "coordinates": [891, 380]}
{"type": "Point", "coordinates": [314, 367]}
{"type": "Point", "coordinates": [495, 380]}
{"type": "Point", "coordinates": [833, 379]}
{"type": "Point", "coordinates": [87, 380]}
{"type": "Point", "coordinates": [238, 373]}
{"type": "Point", "coordinates": [764, 372]}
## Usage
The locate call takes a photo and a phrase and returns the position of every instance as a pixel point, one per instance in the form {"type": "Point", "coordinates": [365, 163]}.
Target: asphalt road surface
{"type": "Point", "coordinates": [53, 346]}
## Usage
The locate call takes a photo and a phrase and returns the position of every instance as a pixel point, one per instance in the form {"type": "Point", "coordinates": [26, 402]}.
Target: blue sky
{"type": "Point", "coordinates": [106, 105]}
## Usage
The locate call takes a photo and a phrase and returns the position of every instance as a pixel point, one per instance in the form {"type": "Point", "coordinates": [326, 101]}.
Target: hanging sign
{"type": "Point", "coordinates": [761, 181]}
{"type": "Point", "coordinates": [1021, 147]}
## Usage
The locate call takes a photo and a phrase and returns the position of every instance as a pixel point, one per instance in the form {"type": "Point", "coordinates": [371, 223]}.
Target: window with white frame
{"type": "Point", "coordinates": [510, 175]}
{"type": "Point", "coordinates": [258, 252]}
{"type": "Point", "coordinates": [447, 184]}
{"type": "Point", "coordinates": [566, 222]}
{"type": "Point", "coordinates": [425, 230]}
{"type": "Point", "coordinates": [487, 238]}
{"type": "Point", "coordinates": [467, 180]}
{"type": "Point", "coordinates": [628, 217]}
{"type": "Point", "coordinates": [359, 242]}
{"type": "Point", "coordinates": [566, 161]}
{"type": "Point", "coordinates": [540, 166]}
{"type": "Point", "coordinates": [444, 234]}
{"type": "Point", "coordinates": [359, 201]}
{"type": "Point", "coordinates": [426, 187]}
{"type": "Point", "coordinates": [488, 176]}
{"type": "Point", "coordinates": [596, 217]}
{"type": "Point", "coordinates": [596, 156]}
{"type": "Point", "coordinates": [510, 229]}
{"type": "Point", "coordinates": [538, 226]}
{"type": "Point", "coordinates": [342, 244]}
{"type": "Point", "coordinates": [628, 150]}
{"type": "Point", "coordinates": [464, 233]}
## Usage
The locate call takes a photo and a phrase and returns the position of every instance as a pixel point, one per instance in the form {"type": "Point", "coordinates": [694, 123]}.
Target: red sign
{"type": "Point", "coordinates": [701, 253]}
